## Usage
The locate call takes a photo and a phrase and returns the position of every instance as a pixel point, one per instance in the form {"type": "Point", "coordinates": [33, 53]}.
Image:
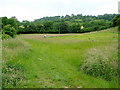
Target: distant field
{"type": "Point", "coordinates": [60, 60]}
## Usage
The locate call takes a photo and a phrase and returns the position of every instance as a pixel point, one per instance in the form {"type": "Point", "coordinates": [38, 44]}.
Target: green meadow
{"type": "Point", "coordinates": [88, 60]}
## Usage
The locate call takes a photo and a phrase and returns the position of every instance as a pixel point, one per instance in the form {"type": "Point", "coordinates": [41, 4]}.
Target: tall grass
{"type": "Point", "coordinates": [102, 62]}
{"type": "Point", "coordinates": [13, 70]}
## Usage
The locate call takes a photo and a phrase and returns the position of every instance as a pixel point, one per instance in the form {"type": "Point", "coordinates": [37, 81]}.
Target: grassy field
{"type": "Point", "coordinates": [31, 61]}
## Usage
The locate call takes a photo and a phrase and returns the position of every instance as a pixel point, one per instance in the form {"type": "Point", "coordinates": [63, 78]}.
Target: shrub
{"type": "Point", "coordinates": [8, 29]}
{"type": "Point", "coordinates": [5, 36]}
{"type": "Point", "coordinates": [101, 63]}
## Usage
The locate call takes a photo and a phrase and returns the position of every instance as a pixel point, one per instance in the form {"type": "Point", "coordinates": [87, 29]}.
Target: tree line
{"type": "Point", "coordinates": [59, 24]}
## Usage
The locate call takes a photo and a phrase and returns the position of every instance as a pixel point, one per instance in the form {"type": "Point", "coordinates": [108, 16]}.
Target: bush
{"type": "Point", "coordinates": [101, 63]}
{"type": "Point", "coordinates": [5, 36]}
{"type": "Point", "coordinates": [8, 29]}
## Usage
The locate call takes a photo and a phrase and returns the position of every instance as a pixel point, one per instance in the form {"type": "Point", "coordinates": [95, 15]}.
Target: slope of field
{"type": "Point", "coordinates": [31, 61]}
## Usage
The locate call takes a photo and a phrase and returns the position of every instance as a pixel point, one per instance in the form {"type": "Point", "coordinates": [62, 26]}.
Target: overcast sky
{"type": "Point", "coordinates": [35, 9]}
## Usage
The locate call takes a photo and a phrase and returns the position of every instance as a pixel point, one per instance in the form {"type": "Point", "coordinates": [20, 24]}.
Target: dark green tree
{"type": "Point", "coordinates": [9, 30]}
{"type": "Point", "coordinates": [116, 21]}
{"type": "Point", "coordinates": [63, 27]}
{"type": "Point", "coordinates": [74, 28]}
{"type": "Point", "coordinates": [48, 26]}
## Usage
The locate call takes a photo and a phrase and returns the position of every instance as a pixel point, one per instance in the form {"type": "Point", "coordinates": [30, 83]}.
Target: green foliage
{"type": "Point", "coordinates": [4, 21]}
{"type": "Point", "coordinates": [10, 21]}
{"type": "Point", "coordinates": [67, 24]}
{"type": "Point", "coordinates": [62, 24]}
{"type": "Point", "coordinates": [48, 26]}
{"type": "Point", "coordinates": [96, 25]}
{"type": "Point", "coordinates": [5, 36]}
{"type": "Point", "coordinates": [75, 28]}
{"type": "Point", "coordinates": [116, 21]}
{"type": "Point", "coordinates": [8, 29]}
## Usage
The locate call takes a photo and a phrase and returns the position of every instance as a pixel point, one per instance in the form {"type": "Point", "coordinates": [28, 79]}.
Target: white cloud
{"type": "Point", "coordinates": [108, 8]}
{"type": "Point", "coordinates": [24, 13]}
{"type": "Point", "coordinates": [34, 9]}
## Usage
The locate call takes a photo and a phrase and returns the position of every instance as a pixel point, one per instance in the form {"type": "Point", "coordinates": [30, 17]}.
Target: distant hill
{"type": "Point", "coordinates": [77, 18]}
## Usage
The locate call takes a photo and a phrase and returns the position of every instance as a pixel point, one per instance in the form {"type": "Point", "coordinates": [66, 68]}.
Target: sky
{"type": "Point", "coordinates": [35, 9]}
